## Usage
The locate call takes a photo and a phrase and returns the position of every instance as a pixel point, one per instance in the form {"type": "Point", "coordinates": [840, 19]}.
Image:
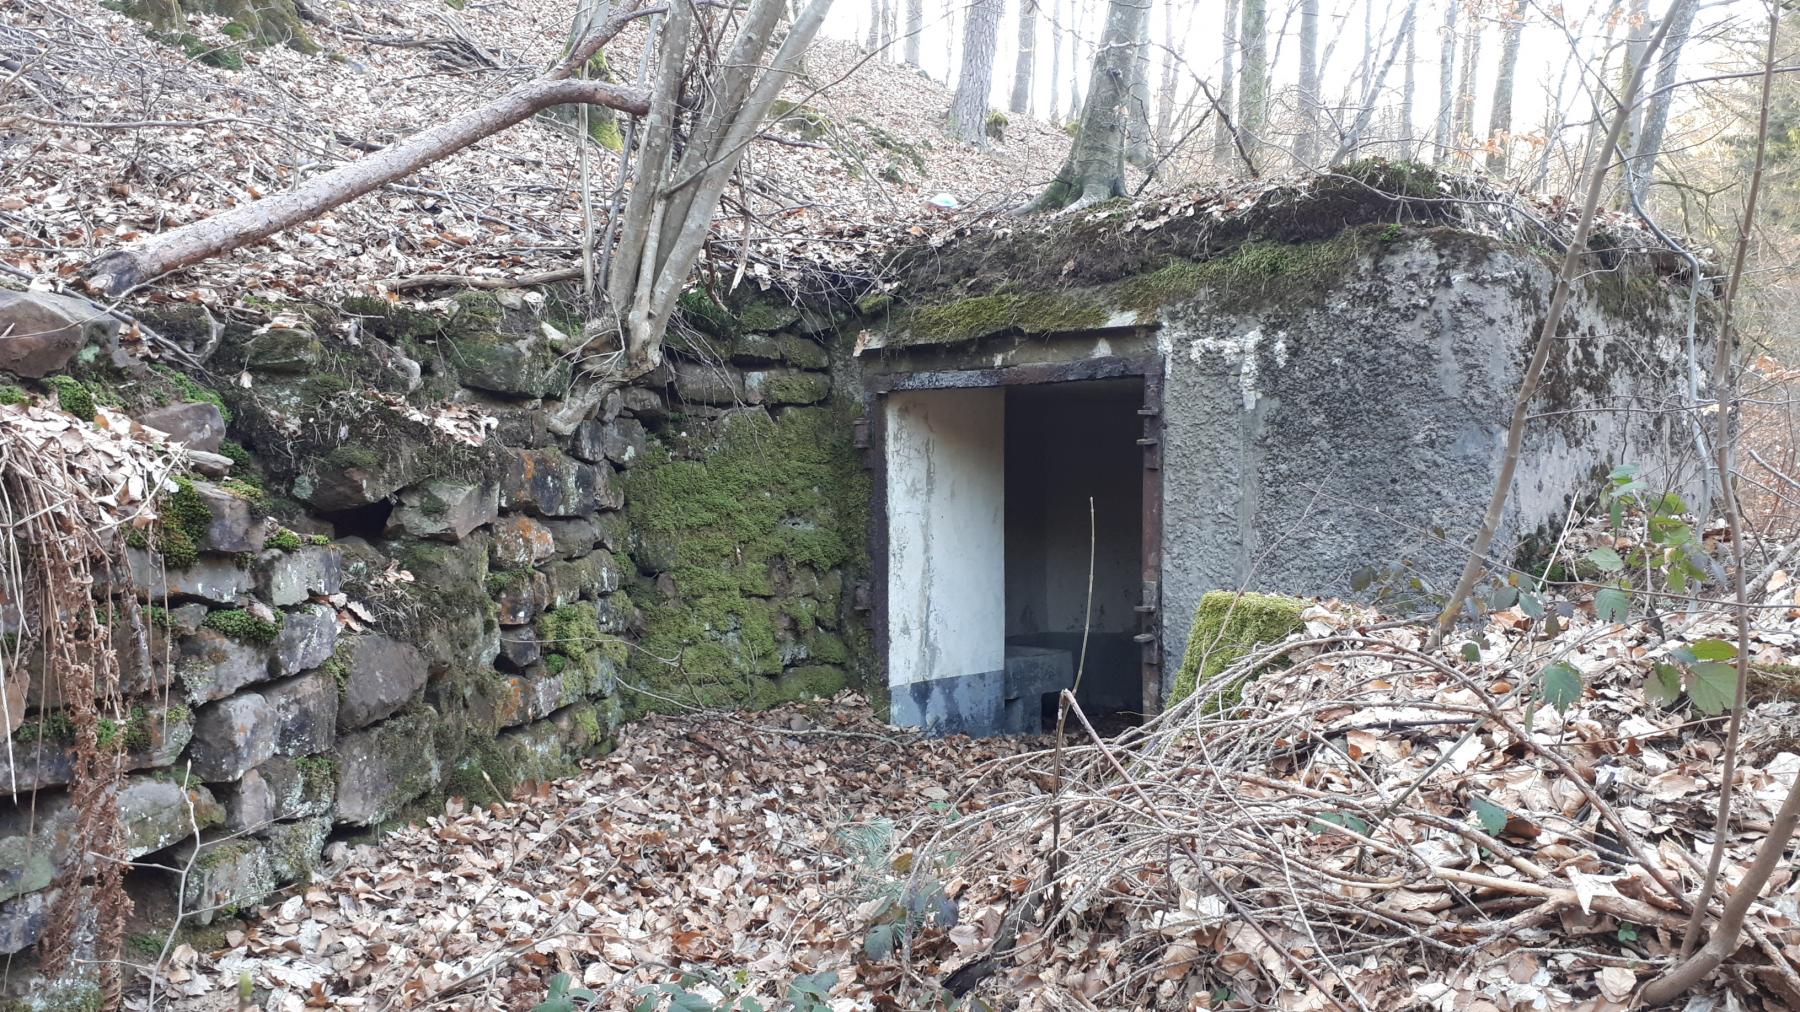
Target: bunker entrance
{"type": "Point", "coordinates": [997, 499]}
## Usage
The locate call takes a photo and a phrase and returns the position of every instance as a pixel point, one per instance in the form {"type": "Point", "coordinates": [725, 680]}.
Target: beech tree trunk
{"type": "Point", "coordinates": [1441, 136]}
{"type": "Point", "coordinates": [981, 37]}
{"type": "Point", "coordinates": [1222, 139]}
{"type": "Point", "coordinates": [915, 26]}
{"type": "Point", "coordinates": [1642, 168]}
{"type": "Point", "coordinates": [1095, 168]}
{"type": "Point", "coordinates": [1056, 42]}
{"type": "Point", "coordinates": [1165, 92]}
{"type": "Point", "coordinates": [1408, 91]}
{"type": "Point", "coordinates": [119, 271]}
{"type": "Point", "coordinates": [1253, 79]}
{"type": "Point", "coordinates": [1076, 95]}
{"type": "Point", "coordinates": [1500, 116]}
{"type": "Point", "coordinates": [1022, 71]}
{"type": "Point", "coordinates": [1465, 92]}
{"type": "Point", "coordinates": [1637, 29]}
{"type": "Point", "coordinates": [1306, 140]}
{"type": "Point", "coordinates": [1138, 149]}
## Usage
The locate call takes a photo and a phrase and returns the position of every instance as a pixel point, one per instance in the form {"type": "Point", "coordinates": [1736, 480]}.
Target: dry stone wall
{"type": "Point", "coordinates": [400, 583]}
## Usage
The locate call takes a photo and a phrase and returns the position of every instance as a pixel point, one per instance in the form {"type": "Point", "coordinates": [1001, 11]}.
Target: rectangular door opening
{"type": "Point", "coordinates": [988, 538]}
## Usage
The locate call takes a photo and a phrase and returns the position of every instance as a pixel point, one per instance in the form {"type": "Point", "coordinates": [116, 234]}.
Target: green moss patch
{"type": "Point", "coordinates": [241, 625]}
{"type": "Point", "coordinates": [1228, 626]}
{"type": "Point", "coordinates": [764, 507]}
{"type": "Point", "coordinates": [1253, 274]}
{"type": "Point", "coordinates": [981, 315]}
{"type": "Point", "coordinates": [73, 396]}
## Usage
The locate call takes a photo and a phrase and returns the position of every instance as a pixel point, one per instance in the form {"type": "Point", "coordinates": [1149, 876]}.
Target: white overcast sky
{"type": "Point", "coordinates": [1544, 53]}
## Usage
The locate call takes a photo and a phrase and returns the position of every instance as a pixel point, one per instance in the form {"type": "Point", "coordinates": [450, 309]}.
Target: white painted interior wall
{"type": "Point", "coordinates": [946, 501]}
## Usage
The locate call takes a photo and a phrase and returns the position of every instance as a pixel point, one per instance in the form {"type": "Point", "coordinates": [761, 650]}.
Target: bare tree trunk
{"type": "Point", "coordinates": [1465, 92]}
{"type": "Point", "coordinates": [1095, 168]}
{"type": "Point", "coordinates": [1138, 150]}
{"type": "Point", "coordinates": [1222, 139]}
{"type": "Point", "coordinates": [1253, 79]}
{"type": "Point", "coordinates": [1022, 71]}
{"type": "Point", "coordinates": [950, 36]}
{"type": "Point", "coordinates": [1637, 31]}
{"type": "Point", "coordinates": [1165, 92]}
{"type": "Point", "coordinates": [1353, 137]}
{"type": "Point", "coordinates": [1077, 96]}
{"type": "Point", "coordinates": [915, 26]}
{"type": "Point", "coordinates": [981, 37]}
{"type": "Point", "coordinates": [122, 270]}
{"type": "Point", "coordinates": [1306, 142]}
{"type": "Point", "coordinates": [874, 42]}
{"type": "Point", "coordinates": [1446, 83]}
{"type": "Point", "coordinates": [1408, 91]}
{"type": "Point", "coordinates": [1056, 42]}
{"type": "Point", "coordinates": [1642, 167]}
{"type": "Point", "coordinates": [1500, 116]}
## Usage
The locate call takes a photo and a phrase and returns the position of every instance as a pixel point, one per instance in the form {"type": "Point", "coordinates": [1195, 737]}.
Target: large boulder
{"type": "Point", "coordinates": [545, 483]}
{"type": "Point", "coordinates": [306, 710]}
{"type": "Point", "coordinates": [216, 578]}
{"type": "Point", "coordinates": [307, 638]}
{"type": "Point", "coordinates": [290, 577]}
{"type": "Point", "coordinates": [40, 332]}
{"type": "Point", "coordinates": [445, 509]}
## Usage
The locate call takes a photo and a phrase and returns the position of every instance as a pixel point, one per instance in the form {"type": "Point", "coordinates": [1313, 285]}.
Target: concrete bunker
{"type": "Point", "coordinates": [1322, 433]}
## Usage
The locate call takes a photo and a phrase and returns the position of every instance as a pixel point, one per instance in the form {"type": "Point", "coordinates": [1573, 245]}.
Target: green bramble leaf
{"type": "Point", "coordinates": [1492, 817]}
{"type": "Point", "coordinates": [1713, 687]}
{"type": "Point", "coordinates": [1713, 650]}
{"type": "Point", "coordinates": [1607, 559]}
{"type": "Point", "coordinates": [1560, 686]}
{"type": "Point", "coordinates": [1612, 604]}
{"type": "Point", "coordinates": [1664, 684]}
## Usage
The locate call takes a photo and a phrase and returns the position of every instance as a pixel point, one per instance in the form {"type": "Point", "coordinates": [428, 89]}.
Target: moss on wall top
{"type": "Point", "coordinates": [1273, 246]}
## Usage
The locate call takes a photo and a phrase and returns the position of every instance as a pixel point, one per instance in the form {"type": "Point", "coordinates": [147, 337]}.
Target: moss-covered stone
{"type": "Point", "coordinates": [268, 22]}
{"type": "Point", "coordinates": [799, 120]}
{"type": "Point", "coordinates": [796, 388]}
{"type": "Point", "coordinates": [242, 625]}
{"type": "Point", "coordinates": [1226, 627]}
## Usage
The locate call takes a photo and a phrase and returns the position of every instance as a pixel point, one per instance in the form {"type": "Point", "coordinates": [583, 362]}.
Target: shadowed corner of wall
{"type": "Point", "coordinates": [1228, 625]}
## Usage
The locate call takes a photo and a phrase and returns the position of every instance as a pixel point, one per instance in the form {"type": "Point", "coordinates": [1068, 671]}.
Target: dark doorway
{"type": "Point", "coordinates": [1068, 444]}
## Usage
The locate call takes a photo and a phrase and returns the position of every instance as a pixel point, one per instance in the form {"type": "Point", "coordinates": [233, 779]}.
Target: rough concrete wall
{"type": "Point", "coordinates": [1315, 442]}
{"type": "Point", "coordinates": [409, 587]}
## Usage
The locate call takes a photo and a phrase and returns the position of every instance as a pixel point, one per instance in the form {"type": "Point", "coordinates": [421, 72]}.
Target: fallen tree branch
{"type": "Point", "coordinates": [122, 270]}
